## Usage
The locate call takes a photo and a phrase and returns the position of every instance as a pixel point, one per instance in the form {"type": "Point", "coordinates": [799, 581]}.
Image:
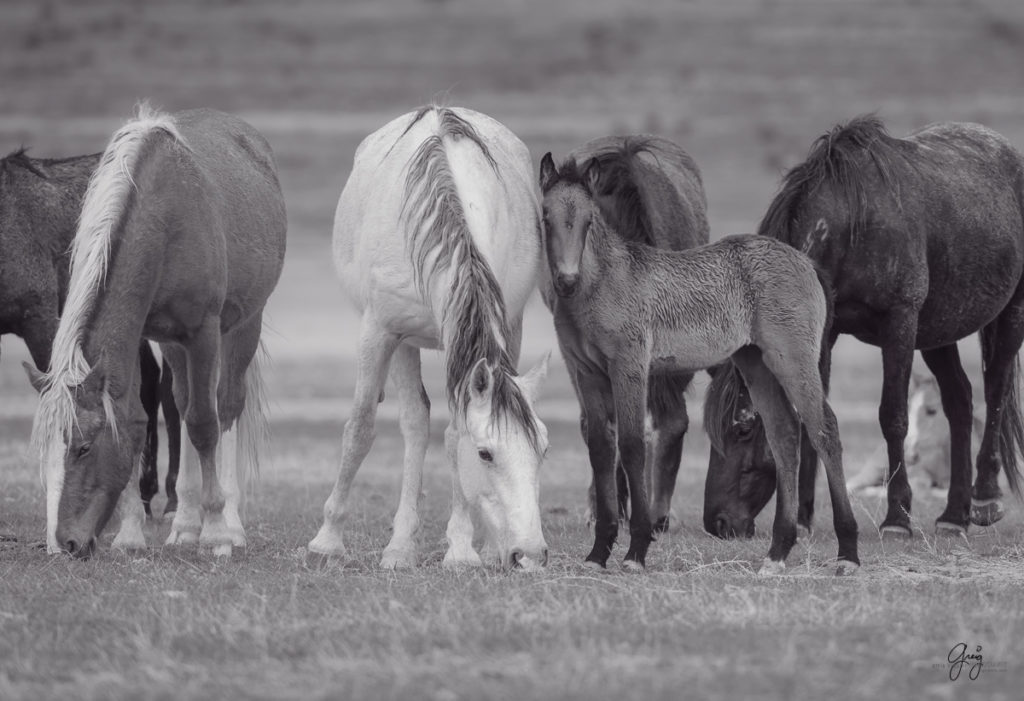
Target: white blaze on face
{"type": "Point", "coordinates": [499, 471]}
{"type": "Point", "coordinates": [53, 471]}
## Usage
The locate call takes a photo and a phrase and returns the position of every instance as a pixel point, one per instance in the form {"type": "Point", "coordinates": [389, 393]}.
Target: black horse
{"type": "Point", "coordinates": [922, 239]}
{"type": "Point", "coordinates": [40, 200]}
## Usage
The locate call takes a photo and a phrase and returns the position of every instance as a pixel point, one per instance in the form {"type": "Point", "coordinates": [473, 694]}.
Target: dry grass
{"type": "Point", "coordinates": [745, 86]}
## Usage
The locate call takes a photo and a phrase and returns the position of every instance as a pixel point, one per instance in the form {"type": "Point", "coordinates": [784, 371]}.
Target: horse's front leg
{"type": "Point", "coordinates": [629, 389]}
{"type": "Point", "coordinates": [897, 359]}
{"type": "Point", "coordinates": [598, 414]}
{"type": "Point", "coordinates": [955, 392]}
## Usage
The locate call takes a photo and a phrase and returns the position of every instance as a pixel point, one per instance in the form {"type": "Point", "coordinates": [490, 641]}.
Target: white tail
{"type": "Point", "coordinates": [253, 427]}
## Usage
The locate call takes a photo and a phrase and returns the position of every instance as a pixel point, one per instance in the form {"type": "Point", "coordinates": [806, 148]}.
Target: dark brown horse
{"type": "Point", "coordinates": [923, 241]}
{"type": "Point", "coordinates": [40, 200]}
{"type": "Point", "coordinates": [651, 191]}
{"type": "Point", "coordinates": [181, 240]}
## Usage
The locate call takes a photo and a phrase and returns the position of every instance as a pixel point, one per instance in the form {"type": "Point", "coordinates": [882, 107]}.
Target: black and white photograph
{"type": "Point", "coordinates": [511, 349]}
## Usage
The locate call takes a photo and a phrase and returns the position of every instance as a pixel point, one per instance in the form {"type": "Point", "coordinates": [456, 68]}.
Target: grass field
{"type": "Point", "coordinates": [745, 86]}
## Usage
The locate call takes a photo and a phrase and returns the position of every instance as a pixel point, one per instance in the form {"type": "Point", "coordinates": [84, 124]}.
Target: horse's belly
{"type": "Point", "coordinates": [691, 350]}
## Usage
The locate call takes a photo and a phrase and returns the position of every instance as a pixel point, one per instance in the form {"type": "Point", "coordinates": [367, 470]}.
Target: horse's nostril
{"type": "Point", "coordinates": [515, 556]}
{"type": "Point", "coordinates": [544, 558]}
{"type": "Point", "coordinates": [71, 545]}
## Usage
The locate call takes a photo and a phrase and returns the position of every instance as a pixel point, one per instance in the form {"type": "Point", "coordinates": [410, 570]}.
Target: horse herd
{"type": "Point", "coordinates": [176, 235]}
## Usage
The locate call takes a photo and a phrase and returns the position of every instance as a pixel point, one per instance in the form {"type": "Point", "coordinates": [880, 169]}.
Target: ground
{"type": "Point", "coordinates": [745, 86]}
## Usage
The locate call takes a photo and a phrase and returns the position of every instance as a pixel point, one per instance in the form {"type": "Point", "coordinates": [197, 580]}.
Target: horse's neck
{"type": "Point", "coordinates": [122, 306]}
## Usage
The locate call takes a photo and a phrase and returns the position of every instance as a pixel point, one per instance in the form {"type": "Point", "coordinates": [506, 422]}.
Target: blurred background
{"type": "Point", "coordinates": [744, 85]}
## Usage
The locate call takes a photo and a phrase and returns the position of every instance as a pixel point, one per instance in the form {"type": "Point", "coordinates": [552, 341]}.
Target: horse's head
{"type": "Point", "coordinates": [569, 209]}
{"type": "Point", "coordinates": [90, 443]}
{"type": "Point", "coordinates": [741, 469]}
{"type": "Point", "coordinates": [927, 434]}
{"type": "Point", "coordinates": [500, 452]}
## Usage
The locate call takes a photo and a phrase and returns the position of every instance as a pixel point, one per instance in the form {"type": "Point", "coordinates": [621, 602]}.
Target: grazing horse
{"type": "Point", "coordinates": [624, 310]}
{"type": "Point", "coordinates": [652, 191]}
{"type": "Point", "coordinates": [181, 240]}
{"type": "Point", "coordinates": [436, 242]}
{"type": "Point", "coordinates": [40, 200]}
{"type": "Point", "coordinates": [923, 241]}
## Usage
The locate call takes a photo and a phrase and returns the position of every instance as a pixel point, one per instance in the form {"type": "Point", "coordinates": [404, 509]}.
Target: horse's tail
{"type": "Point", "coordinates": [1011, 432]}
{"type": "Point", "coordinates": [253, 427]}
{"type": "Point", "coordinates": [825, 357]}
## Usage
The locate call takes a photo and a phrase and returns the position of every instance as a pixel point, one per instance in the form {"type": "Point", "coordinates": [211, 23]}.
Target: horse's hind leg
{"type": "Point", "coordinates": [782, 430]}
{"type": "Point", "coordinates": [238, 353]}
{"type": "Point", "coordinates": [375, 349]}
{"type": "Point", "coordinates": [172, 421]}
{"type": "Point", "coordinates": [955, 390]}
{"type": "Point", "coordinates": [801, 382]}
{"type": "Point", "coordinates": [1004, 433]}
{"type": "Point", "coordinates": [414, 420]}
{"type": "Point", "coordinates": [149, 393]}
{"type": "Point", "coordinates": [667, 405]}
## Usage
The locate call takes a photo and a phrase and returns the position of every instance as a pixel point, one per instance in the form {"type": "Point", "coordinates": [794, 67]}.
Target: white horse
{"type": "Point", "coordinates": [927, 446]}
{"type": "Point", "coordinates": [437, 242]}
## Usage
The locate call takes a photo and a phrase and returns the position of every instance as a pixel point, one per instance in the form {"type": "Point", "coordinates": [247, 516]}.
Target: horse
{"type": "Point", "coordinates": [181, 240]}
{"type": "Point", "coordinates": [653, 192]}
{"type": "Point", "coordinates": [40, 200]}
{"type": "Point", "coordinates": [922, 239]}
{"type": "Point", "coordinates": [623, 310]}
{"type": "Point", "coordinates": [436, 242]}
{"type": "Point", "coordinates": [927, 445]}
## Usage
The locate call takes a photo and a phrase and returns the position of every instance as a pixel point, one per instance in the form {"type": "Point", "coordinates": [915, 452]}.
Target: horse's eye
{"type": "Point", "coordinates": [84, 449]}
{"type": "Point", "coordinates": [931, 411]}
{"type": "Point", "coordinates": [485, 455]}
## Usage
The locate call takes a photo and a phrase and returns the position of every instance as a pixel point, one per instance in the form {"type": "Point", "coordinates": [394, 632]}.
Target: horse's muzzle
{"type": "Point", "coordinates": [726, 527]}
{"type": "Point", "coordinates": [566, 284]}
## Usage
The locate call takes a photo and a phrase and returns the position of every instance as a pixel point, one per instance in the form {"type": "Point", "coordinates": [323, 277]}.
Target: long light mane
{"type": "Point", "coordinates": [474, 321]}
{"type": "Point", "coordinates": [103, 208]}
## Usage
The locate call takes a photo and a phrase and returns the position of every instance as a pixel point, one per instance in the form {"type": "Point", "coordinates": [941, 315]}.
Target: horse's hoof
{"type": "Point", "coordinates": [398, 560]}
{"type": "Point", "coordinates": [952, 530]}
{"type": "Point", "coordinates": [470, 560]}
{"type": "Point", "coordinates": [632, 566]}
{"type": "Point", "coordinates": [128, 544]}
{"type": "Point", "coordinates": [168, 515]}
{"type": "Point", "coordinates": [985, 512]}
{"type": "Point", "coordinates": [892, 532]}
{"type": "Point", "coordinates": [182, 537]}
{"type": "Point", "coordinates": [771, 568]}
{"type": "Point", "coordinates": [845, 568]}
{"type": "Point", "coordinates": [592, 565]}
{"type": "Point", "coordinates": [661, 525]}
{"type": "Point", "coordinates": [314, 560]}
{"type": "Point", "coordinates": [222, 550]}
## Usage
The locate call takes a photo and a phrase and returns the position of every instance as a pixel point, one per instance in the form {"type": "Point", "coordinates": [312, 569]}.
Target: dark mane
{"type": "Point", "coordinates": [20, 158]}
{"type": "Point", "coordinates": [475, 307]}
{"type": "Point", "coordinates": [720, 402]}
{"type": "Point", "coordinates": [837, 158]}
{"type": "Point", "coordinates": [619, 180]}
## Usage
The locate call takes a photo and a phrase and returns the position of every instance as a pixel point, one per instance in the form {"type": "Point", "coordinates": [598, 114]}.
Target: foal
{"type": "Point", "coordinates": [633, 308]}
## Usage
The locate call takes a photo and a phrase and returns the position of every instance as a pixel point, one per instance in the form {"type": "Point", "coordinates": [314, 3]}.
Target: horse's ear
{"type": "Point", "coordinates": [481, 382]}
{"type": "Point", "coordinates": [37, 378]}
{"type": "Point", "coordinates": [592, 176]}
{"type": "Point", "coordinates": [533, 380]}
{"type": "Point", "coordinates": [547, 171]}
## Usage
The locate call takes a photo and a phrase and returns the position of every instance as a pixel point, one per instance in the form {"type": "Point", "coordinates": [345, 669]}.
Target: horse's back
{"type": "Point", "coordinates": [375, 224]}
